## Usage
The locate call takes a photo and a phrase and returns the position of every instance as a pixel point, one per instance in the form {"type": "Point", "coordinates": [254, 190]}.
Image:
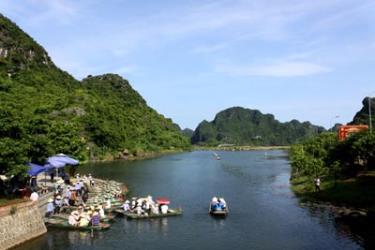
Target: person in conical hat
{"type": "Point", "coordinates": [50, 208]}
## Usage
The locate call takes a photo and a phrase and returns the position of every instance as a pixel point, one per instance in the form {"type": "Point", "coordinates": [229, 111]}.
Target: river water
{"type": "Point", "coordinates": [264, 213]}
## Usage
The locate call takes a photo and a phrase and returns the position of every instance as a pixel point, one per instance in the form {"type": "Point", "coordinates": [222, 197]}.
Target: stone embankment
{"type": "Point", "coordinates": [19, 223]}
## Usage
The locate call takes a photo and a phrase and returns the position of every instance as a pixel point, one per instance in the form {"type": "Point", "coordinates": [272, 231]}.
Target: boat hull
{"type": "Point", "coordinates": [218, 213]}
{"type": "Point", "coordinates": [63, 224]}
{"type": "Point", "coordinates": [171, 212]}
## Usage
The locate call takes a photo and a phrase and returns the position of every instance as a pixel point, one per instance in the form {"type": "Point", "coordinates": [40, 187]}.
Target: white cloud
{"type": "Point", "coordinates": [233, 22]}
{"type": "Point", "coordinates": [282, 69]}
{"type": "Point", "coordinates": [39, 12]}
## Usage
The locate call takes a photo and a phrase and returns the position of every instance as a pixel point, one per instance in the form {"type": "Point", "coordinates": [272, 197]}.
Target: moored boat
{"type": "Point", "coordinates": [107, 219]}
{"type": "Point", "coordinates": [64, 224]}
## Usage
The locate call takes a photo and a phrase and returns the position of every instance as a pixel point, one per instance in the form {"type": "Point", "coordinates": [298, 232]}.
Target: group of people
{"type": "Point", "coordinates": [218, 204]}
{"type": "Point", "coordinates": [83, 217]}
{"type": "Point", "coordinates": [145, 206]}
{"type": "Point", "coordinates": [69, 195]}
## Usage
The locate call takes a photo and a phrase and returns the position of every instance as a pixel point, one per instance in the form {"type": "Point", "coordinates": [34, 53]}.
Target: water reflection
{"type": "Point", "coordinates": [360, 229]}
{"type": "Point", "coordinates": [141, 227]}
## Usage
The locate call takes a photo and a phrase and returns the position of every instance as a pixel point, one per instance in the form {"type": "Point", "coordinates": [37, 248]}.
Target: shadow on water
{"type": "Point", "coordinates": [360, 229]}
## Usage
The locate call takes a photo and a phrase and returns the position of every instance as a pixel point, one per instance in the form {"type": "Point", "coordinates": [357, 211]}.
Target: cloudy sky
{"type": "Point", "coordinates": [296, 59]}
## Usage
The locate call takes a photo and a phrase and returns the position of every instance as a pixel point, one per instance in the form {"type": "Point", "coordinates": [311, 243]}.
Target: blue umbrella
{"type": "Point", "coordinates": [61, 160]}
{"type": "Point", "coordinates": [35, 169]}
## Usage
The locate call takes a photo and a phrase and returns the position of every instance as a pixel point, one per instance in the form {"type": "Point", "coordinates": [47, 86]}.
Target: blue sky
{"type": "Point", "coordinates": [305, 60]}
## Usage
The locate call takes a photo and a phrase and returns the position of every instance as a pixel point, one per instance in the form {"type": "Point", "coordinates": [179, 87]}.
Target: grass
{"type": "Point", "coordinates": [355, 192]}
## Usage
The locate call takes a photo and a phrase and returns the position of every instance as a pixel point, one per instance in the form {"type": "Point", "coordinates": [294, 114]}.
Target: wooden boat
{"type": "Point", "coordinates": [64, 224]}
{"type": "Point", "coordinates": [134, 216]}
{"type": "Point", "coordinates": [107, 219]}
{"type": "Point", "coordinates": [221, 212]}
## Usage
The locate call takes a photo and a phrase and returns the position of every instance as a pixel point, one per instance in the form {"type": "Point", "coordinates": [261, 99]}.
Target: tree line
{"type": "Point", "coordinates": [324, 155]}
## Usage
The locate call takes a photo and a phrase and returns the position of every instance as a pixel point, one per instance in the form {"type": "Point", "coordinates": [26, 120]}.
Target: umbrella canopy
{"type": "Point", "coordinates": [61, 160]}
{"type": "Point", "coordinates": [36, 169]}
{"type": "Point", "coordinates": [163, 201]}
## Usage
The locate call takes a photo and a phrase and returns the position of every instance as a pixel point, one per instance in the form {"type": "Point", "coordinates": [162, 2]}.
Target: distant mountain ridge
{"type": "Point", "coordinates": [362, 116]}
{"type": "Point", "coordinates": [241, 126]}
{"type": "Point", "coordinates": [44, 110]}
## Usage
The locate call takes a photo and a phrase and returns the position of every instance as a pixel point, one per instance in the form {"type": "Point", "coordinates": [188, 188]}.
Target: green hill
{"type": "Point", "coordinates": [362, 116]}
{"type": "Point", "coordinates": [44, 110]}
{"type": "Point", "coordinates": [242, 126]}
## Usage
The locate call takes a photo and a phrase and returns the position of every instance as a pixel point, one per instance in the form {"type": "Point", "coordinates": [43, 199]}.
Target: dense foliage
{"type": "Point", "coordinates": [242, 126]}
{"type": "Point", "coordinates": [119, 118]}
{"type": "Point", "coordinates": [324, 155]}
{"type": "Point", "coordinates": [44, 110]}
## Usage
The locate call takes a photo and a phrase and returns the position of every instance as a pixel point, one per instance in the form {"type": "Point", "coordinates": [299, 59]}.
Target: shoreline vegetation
{"type": "Point", "coordinates": [356, 192]}
{"type": "Point", "coordinates": [239, 148]}
{"type": "Point", "coordinates": [346, 170]}
{"type": "Point", "coordinates": [141, 155]}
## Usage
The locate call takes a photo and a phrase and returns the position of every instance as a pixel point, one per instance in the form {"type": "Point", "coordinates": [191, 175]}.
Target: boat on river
{"type": "Point", "coordinates": [107, 219]}
{"type": "Point", "coordinates": [64, 224]}
{"type": "Point", "coordinates": [218, 207]}
{"type": "Point", "coordinates": [135, 216]}
{"type": "Point", "coordinates": [216, 156]}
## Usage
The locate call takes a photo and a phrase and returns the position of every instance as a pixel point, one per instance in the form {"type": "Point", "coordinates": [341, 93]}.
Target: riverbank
{"type": "Point", "coordinates": [240, 148]}
{"type": "Point", "coordinates": [358, 192]}
{"type": "Point", "coordinates": [138, 155]}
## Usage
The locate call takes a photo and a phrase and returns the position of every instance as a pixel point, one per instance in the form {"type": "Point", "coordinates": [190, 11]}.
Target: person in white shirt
{"type": "Point", "coordinates": [74, 218]}
{"type": "Point", "coordinates": [126, 206]}
{"type": "Point", "coordinates": [34, 196]}
{"type": "Point", "coordinates": [164, 209]}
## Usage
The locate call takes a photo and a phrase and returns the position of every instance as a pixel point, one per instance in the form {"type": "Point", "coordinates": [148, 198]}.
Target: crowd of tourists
{"type": "Point", "coordinates": [85, 216]}
{"type": "Point", "coordinates": [72, 202]}
{"type": "Point", "coordinates": [69, 194]}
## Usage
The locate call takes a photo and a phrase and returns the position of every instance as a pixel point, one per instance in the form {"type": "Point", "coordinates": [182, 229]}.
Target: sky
{"type": "Point", "coordinates": [297, 59]}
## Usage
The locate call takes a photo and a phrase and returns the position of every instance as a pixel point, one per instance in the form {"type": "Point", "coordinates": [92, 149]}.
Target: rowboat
{"type": "Point", "coordinates": [64, 224]}
{"type": "Point", "coordinates": [107, 219]}
{"type": "Point", "coordinates": [218, 212]}
{"type": "Point", "coordinates": [134, 216]}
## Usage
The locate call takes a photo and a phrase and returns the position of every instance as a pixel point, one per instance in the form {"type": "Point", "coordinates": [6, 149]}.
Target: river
{"type": "Point", "coordinates": [264, 213]}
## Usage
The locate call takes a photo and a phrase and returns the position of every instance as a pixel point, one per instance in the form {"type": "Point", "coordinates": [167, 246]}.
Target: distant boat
{"type": "Point", "coordinates": [218, 208]}
{"type": "Point", "coordinates": [216, 156]}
